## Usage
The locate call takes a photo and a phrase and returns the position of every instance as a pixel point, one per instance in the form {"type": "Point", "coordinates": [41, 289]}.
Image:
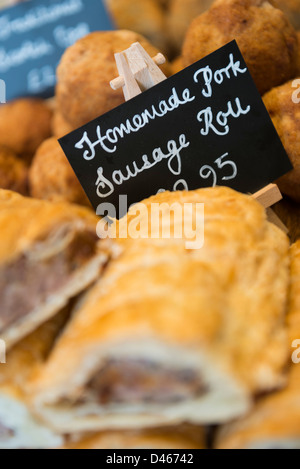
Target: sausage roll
{"type": "Point", "coordinates": [172, 334]}
{"type": "Point", "coordinates": [19, 429]}
{"type": "Point", "coordinates": [48, 254]}
{"type": "Point", "coordinates": [275, 421]}
{"type": "Point", "coordinates": [182, 437]}
{"type": "Point", "coordinates": [60, 127]}
{"type": "Point", "coordinates": [285, 114]}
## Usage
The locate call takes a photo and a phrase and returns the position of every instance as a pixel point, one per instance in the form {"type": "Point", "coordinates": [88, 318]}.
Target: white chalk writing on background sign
{"type": "Point", "coordinates": [205, 126]}
{"type": "Point", "coordinates": [37, 16]}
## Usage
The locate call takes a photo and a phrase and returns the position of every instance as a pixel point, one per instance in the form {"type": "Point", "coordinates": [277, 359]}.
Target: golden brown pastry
{"type": "Point", "coordinates": [170, 334]}
{"type": "Point", "coordinates": [51, 176]}
{"type": "Point", "coordinates": [84, 75]}
{"type": "Point", "coordinates": [293, 318]}
{"type": "Point", "coordinates": [60, 126]}
{"type": "Point", "coordinates": [8, 3]}
{"type": "Point", "coordinates": [291, 9]}
{"type": "Point", "coordinates": [183, 437]}
{"type": "Point", "coordinates": [285, 115]}
{"type": "Point", "coordinates": [48, 254]}
{"type": "Point", "coordinates": [264, 35]}
{"type": "Point", "coordinates": [24, 125]}
{"type": "Point", "coordinates": [180, 16]}
{"type": "Point", "coordinates": [145, 17]}
{"type": "Point", "coordinates": [275, 421]}
{"type": "Point", "coordinates": [13, 172]}
{"type": "Point", "coordinates": [19, 429]}
{"type": "Point", "coordinates": [289, 213]}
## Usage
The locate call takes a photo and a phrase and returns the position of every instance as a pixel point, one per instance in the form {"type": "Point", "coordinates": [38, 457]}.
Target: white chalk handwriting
{"type": "Point", "coordinates": [219, 123]}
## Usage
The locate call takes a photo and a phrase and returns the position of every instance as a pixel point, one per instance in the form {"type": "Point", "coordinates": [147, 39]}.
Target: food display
{"type": "Point", "coordinates": [145, 17]}
{"type": "Point", "coordinates": [48, 255]}
{"type": "Point", "coordinates": [264, 35]}
{"type": "Point", "coordinates": [291, 9]}
{"type": "Point", "coordinates": [274, 421]}
{"type": "Point", "coordinates": [88, 67]}
{"type": "Point", "coordinates": [60, 126]}
{"type": "Point", "coordinates": [181, 14]}
{"type": "Point", "coordinates": [285, 114]}
{"type": "Point", "coordinates": [184, 437]}
{"type": "Point", "coordinates": [120, 333]}
{"type": "Point", "coordinates": [141, 345]}
{"type": "Point", "coordinates": [52, 178]}
{"type": "Point", "coordinates": [13, 171]}
{"type": "Point", "coordinates": [19, 427]}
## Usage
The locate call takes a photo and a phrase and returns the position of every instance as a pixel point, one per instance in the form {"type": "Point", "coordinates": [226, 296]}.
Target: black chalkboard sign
{"type": "Point", "coordinates": [33, 37]}
{"type": "Point", "coordinates": [205, 126]}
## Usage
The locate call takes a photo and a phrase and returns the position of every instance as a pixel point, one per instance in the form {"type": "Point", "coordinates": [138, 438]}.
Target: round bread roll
{"type": "Point", "coordinates": [24, 125]}
{"type": "Point", "coordinates": [51, 176]}
{"type": "Point", "coordinates": [13, 172]}
{"type": "Point", "coordinates": [181, 14]}
{"type": "Point", "coordinates": [145, 17]}
{"type": "Point", "coordinates": [84, 74]}
{"type": "Point", "coordinates": [285, 115]}
{"type": "Point", "coordinates": [265, 37]}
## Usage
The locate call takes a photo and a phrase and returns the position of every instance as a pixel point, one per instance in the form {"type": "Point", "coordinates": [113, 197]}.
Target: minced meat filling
{"type": "Point", "coordinates": [133, 382]}
{"type": "Point", "coordinates": [25, 283]}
